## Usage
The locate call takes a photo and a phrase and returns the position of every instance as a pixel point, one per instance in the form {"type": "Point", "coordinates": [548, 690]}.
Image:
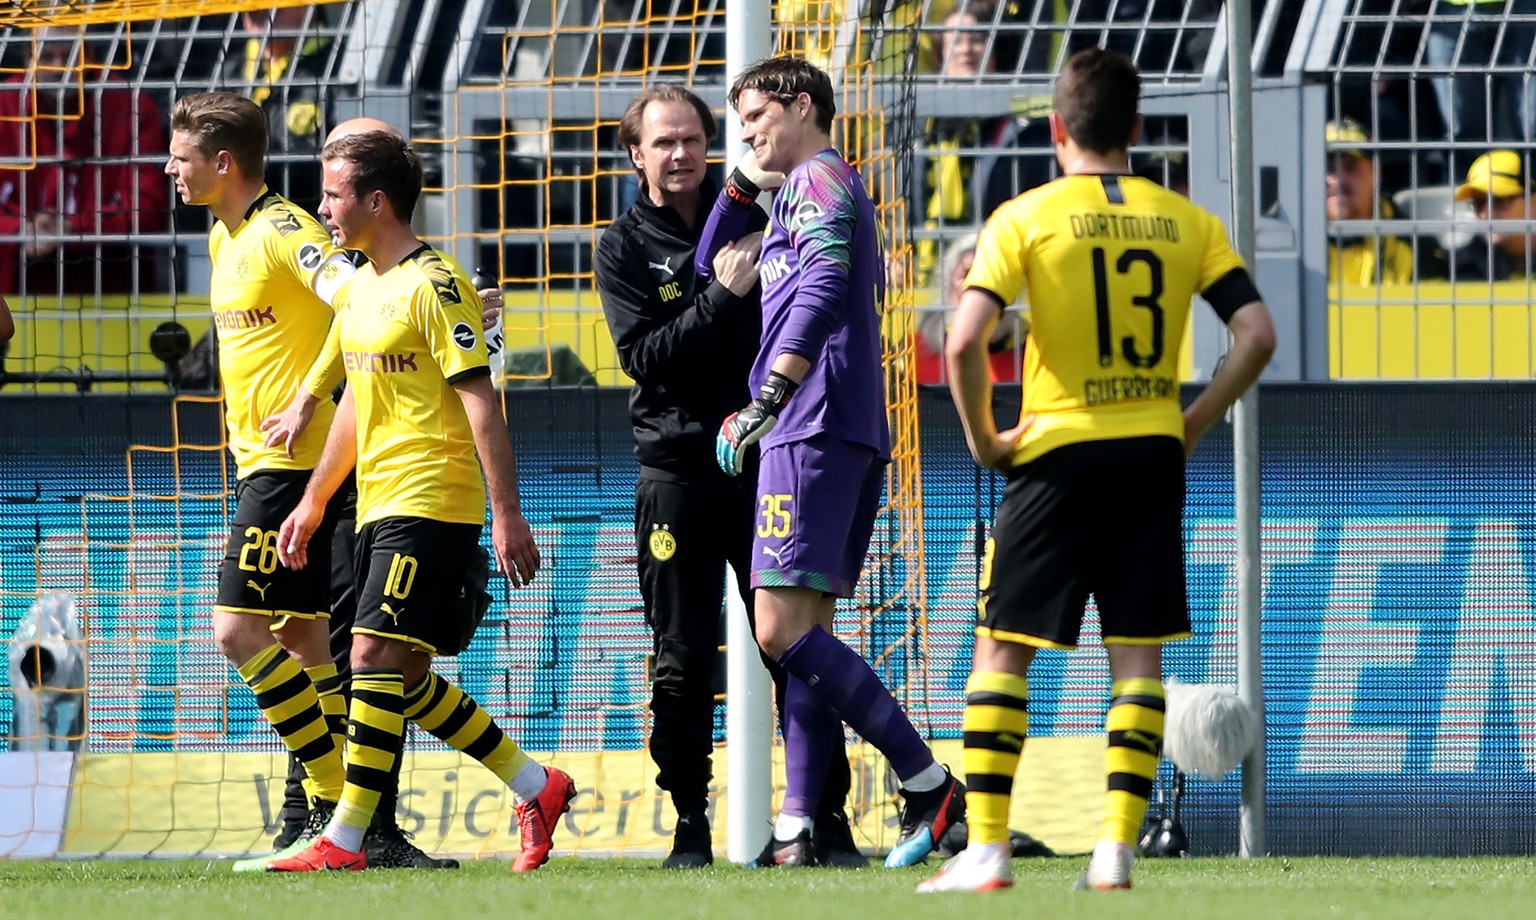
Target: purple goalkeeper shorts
{"type": "Point", "coordinates": [816, 506]}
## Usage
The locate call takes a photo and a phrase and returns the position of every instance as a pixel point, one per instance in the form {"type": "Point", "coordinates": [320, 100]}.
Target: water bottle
{"type": "Point", "coordinates": [495, 341]}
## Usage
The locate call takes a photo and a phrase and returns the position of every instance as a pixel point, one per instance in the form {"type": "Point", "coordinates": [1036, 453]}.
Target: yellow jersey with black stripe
{"type": "Point", "coordinates": [271, 325]}
{"type": "Point", "coordinates": [1110, 265]}
{"type": "Point", "coordinates": [408, 334]}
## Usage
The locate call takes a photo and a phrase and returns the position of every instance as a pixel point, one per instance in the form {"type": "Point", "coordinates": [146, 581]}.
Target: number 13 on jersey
{"type": "Point", "coordinates": [1138, 266]}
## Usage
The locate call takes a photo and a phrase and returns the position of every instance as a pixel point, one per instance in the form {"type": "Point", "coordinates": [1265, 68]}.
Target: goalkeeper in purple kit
{"type": "Point", "coordinates": [820, 421]}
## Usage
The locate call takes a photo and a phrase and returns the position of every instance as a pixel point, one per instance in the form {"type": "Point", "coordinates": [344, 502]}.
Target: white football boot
{"type": "Point", "coordinates": [978, 867]}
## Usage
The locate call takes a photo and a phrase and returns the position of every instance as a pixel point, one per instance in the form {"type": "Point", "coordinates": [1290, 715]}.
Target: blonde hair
{"type": "Point", "coordinates": [224, 121]}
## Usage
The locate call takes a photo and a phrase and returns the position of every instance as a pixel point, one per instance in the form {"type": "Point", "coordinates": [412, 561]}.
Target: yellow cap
{"type": "Point", "coordinates": [1499, 174]}
{"type": "Point", "coordinates": [1346, 136]}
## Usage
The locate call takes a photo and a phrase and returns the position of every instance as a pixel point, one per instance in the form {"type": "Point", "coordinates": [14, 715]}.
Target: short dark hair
{"type": "Point", "coordinates": [1097, 97]}
{"type": "Point", "coordinates": [381, 163]}
{"type": "Point", "coordinates": [634, 115]}
{"type": "Point", "coordinates": [224, 121]}
{"type": "Point", "coordinates": [784, 78]}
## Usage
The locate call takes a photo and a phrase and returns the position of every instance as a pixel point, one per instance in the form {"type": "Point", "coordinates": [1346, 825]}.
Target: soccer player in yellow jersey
{"type": "Point", "coordinates": [421, 423]}
{"type": "Point", "coordinates": [274, 271]}
{"type": "Point", "coordinates": [1095, 466]}
{"type": "Point", "coordinates": [388, 846]}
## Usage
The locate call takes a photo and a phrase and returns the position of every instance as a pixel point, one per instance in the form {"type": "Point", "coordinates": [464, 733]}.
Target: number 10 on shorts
{"type": "Point", "coordinates": [402, 574]}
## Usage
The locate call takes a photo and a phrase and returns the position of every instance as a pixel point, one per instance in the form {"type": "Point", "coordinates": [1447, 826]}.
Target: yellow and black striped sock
{"type": "Point", "coordinates": [1137, 710]}
{"type": "Point", "coordinates": [375, 735]}
{"type": "Point", "coordinates": [453, 718]}
{"type": "Point", "coordinates": [287, 698]}
{"type": "Point", "coordinates": [995, 724]}
{"type": "Point", "coordinates": [332, 701]}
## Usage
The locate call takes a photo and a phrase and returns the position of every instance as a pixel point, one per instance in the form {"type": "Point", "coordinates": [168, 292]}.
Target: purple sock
{"type": "Point", "coordinates": [845, 682]}
{"type": "Point", "coordinates": [812, 733]}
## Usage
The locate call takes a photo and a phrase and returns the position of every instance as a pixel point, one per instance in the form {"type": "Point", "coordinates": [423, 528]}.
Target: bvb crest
{"type": "Point", "coordinates": [663, 544]}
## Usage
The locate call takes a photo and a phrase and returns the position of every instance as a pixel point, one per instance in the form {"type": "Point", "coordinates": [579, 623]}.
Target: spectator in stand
{"type": "Point", "coordinates": [98, 146]}
{"type": "Point", "coordinates": [1491, 97]}
{"type": "Point", "coordinates": [973, 163]}
{"type": "Point", "coordinates": [284, 69]}
{"type": "Point", "coordinates": [1178, 39]}
{"type": "Point", "coordinates": [1354, 194]}
{"type": "Point", "coordinates": [1497, 187]}
{"type": "Point", "coordinates": [1004, 346]}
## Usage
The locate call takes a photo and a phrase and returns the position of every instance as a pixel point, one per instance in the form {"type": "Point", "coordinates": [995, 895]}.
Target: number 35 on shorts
{"type": "Point", "coordinates": [775, 520]}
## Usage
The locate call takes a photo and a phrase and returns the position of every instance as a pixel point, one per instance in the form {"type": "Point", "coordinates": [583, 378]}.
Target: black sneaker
{"type": "Point", "coordinates": [390, 847]}
{"type": "Point", "coordinates": [289, 835]}
{"type": "Point", "coordinates": [833, 845]}
{"type": "Point", "coordinates": [692, 847]}
{"type": "Point", "coordinates": [797, 852]}
{"type": "Point", "coordinates": [925, 819]}
{"type": "Point", "coordinates": [320, 814]}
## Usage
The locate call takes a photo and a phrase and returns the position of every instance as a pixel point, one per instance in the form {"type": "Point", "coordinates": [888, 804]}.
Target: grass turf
{"type": "Point", "coordinates": [1192, 889]}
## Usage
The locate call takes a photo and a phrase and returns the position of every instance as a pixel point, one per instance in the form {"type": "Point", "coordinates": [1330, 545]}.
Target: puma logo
{"type": "Point", "coordinates": [1142, 740]}
{"type": "Point", "coordinates": [777, 554]}
{"type": "Point", "coordinates": [664, 265]}
{"type": "Point", "coordinates": [392, 613]}
{"type": "Point", "coordinates": [259, 589]}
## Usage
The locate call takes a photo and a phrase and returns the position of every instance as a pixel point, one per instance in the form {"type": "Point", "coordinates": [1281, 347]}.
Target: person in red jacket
{"type": "Point", "coordinates": [82, 134]}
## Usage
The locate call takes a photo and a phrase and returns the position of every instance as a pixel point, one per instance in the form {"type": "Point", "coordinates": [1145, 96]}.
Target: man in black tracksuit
{"type": "Point", "coordinates": [689, 351]}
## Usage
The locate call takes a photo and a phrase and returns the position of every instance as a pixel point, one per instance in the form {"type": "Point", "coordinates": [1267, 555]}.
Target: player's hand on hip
{"type": "Point", "coordinates": [492, 304]}
{"type": "Point", "coordinates": [736, 264]}
{"type": "Point", "coordinates": [516, 553]}
{"type": "Point", "coordinates": [285, 427]}
{"type": "Point", "coordinates": [742, 429]}
{"type": "Point", "coordinates": [293, 536]}
{"type": "Point", "coordinates": [996, 452]}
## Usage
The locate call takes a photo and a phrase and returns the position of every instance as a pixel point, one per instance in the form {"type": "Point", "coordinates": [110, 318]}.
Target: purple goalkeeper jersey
{"type": "Point", "coordinates": [823, 280]}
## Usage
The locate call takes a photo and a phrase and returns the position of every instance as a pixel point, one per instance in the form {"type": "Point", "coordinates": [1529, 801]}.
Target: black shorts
{"type": "Point", "coordinates": [410, 573]}
{"type": "Point", "coordinates": [1100, 518]}
{"type": "Point", "coordinates": [251, 580]}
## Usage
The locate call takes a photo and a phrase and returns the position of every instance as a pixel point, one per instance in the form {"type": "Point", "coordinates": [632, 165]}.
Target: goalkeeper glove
{"type": "Point", "coordinates": [750, 425]}
{"type": "Point", "coordinates": [748, 180]}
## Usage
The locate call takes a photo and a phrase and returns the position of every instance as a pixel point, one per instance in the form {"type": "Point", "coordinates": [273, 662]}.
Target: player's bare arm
{"type": "Point", "coordinates": [327, 280]}
{"type": "Point", "coordinates": [511, 536]}
{"type": "Point", "coordinates": [970, 384]}
{"type": "Point", "coordinates": [1253, 342]}
{"type": "Point", "coordinates": [338, 459]}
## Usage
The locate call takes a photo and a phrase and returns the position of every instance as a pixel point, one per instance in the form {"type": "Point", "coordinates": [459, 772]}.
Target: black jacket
{"type": "Point", "coordinates": [689, 351]}
{"type": "Point", "coordinates": [1482, 259]}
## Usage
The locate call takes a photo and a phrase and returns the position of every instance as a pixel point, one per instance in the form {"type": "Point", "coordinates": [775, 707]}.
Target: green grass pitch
{"type": "Point", "coordinates": [1191, 889]}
